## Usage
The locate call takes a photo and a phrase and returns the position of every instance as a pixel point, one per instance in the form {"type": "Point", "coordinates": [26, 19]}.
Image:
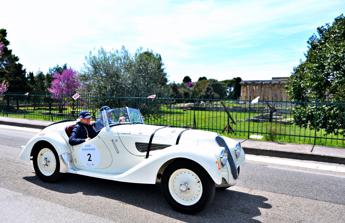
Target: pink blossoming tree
{"type": "Point", "coordinates": [64, 85]}
{"type": "Point", "coordinates": [3, 87]}
{"type": "Point", "coordinates": [2, 47]}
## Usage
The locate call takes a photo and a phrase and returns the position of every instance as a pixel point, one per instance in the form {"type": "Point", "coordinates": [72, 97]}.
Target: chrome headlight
{"type": "Point", "coordinates": [224, 157]}
{"type": "Point", "coordinates": [238, 150]}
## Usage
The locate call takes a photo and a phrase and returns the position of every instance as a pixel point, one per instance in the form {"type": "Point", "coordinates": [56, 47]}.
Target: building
{"type": "Point", "coordinates": [268, 90]}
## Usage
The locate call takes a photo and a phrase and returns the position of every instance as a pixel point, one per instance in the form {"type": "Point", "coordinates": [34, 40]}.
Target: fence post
{"type": "Point", "coordinates": [7, 104]}
{"type": "Point", "coordinates": [25, 105]}
{"type": "Point", "coordinates": [50, 108]}
{"type": "Point", "coordinates": [2, 106]}
{"type": "Point", "coordinates": [194, 118]}
{"type": "Point", "coordinates": [249, 118]}
{"type": "Point", "coordinates": [316, 106]}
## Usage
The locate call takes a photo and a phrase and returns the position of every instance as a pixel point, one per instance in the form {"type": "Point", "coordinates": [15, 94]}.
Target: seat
{"type": "Point", "coordinates": [69, 130]}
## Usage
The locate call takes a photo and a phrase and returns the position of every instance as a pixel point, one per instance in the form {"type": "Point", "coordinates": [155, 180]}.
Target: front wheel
{"type": "Point", "coordinates": [187, 187]}
{"type": "Point", "coordinates": [46, 164]}
{"type": "Point", "coordinates": [222, 188]}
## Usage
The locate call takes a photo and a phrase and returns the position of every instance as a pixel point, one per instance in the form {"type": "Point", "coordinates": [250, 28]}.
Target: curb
{"type": "Point", "coordinates": [292, 155]}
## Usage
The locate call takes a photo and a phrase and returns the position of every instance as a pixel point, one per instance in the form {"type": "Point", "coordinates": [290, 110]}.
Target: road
{"type": "Point", "coordinates": [269, 190]}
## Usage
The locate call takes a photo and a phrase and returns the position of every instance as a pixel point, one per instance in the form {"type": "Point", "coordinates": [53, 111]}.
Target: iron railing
{"type": "Point", "coordinates": [265, 120]}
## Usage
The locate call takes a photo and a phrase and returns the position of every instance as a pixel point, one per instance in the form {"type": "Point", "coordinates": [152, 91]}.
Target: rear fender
{"type": "Point", "coordinates": [54, 140]}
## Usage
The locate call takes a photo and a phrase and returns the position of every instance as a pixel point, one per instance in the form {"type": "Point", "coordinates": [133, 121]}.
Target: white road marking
{"type": "Point", "coordinates": [19, 128]}
{"type": "Point", "coordinates": [297, 163]}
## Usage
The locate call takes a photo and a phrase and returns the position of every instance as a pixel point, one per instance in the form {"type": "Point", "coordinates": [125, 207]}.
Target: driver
{"type": "Point", "coordinates": [82, 131]}
{"type": "Point", "coordinates": [98, 125]}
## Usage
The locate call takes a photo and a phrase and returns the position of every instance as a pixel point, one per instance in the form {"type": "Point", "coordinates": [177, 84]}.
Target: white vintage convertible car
{"type": "Point", "coordinates": [189, 164]}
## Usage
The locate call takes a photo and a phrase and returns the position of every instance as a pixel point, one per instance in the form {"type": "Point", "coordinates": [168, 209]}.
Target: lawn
{"type": "Point", "coordinates": [271, 131]}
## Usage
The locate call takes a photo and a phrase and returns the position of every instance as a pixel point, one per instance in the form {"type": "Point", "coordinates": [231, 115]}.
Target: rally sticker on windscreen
{"type": "Point", "coordinates": [89, 156]}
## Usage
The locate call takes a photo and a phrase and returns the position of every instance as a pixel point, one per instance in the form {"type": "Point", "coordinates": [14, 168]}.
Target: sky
{"type": "Point", "coordinates": [255, 40]}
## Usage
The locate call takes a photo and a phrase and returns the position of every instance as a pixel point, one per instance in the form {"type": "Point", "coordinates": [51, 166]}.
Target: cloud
{"type": "Point", "coordinates": [193, 37]}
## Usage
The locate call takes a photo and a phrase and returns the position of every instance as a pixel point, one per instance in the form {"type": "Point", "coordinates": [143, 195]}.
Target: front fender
{"type": "Point", "coordinates": [146, 172]}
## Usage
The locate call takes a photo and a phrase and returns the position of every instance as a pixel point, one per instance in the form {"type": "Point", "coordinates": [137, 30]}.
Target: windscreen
{"type": "Point", "coordinates": [124, 115]}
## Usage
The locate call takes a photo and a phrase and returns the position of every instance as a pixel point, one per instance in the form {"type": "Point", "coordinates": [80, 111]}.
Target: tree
{"type": "Point", "coordinates": [236, 93]}
{"type": "Point", "coordinates": [200, 89]}
{"type": "Point", "coordinates": [2, 47]}
{"type": "Point", "coordinates": [219, 89]}
{"type": "Point", "coordinates": [10, 69]}
{"type": "Point", "coordinates": [39, 83]}
{"type": "Point", "coordinates": [41, 86]}
{"type": "Point", "coordinates": [64, 85]}
{"type": "Point", "coordinates": [117, 73]}
{"type": "Point", "coordinates": [233, 88]}
{"type": "Point", "coordinates": [48, 78]}
{"type": "Point", "coordinates": [57, 69]}
{"type": "Point", "coordinates": [149, 76]}
{"type": "Point", "coordinates": [3, 87]}
{"type": "Point", "coordinates": [31, 81]}
{"type": "Point", "coordinates": [209, 89]}
{"type": "Point", "coordinates": [175, 91]}
{"type": "Point", "coordinates": [186, 79]}
{"type": "Point", "coordinates": [202, 78]}
{"type": "Point", "coordinates": [321, 78]}
{"type": "Point", "coordinates": [37, 87]}
{"type": "Point", "coordinates": [106, 74]}
{"type": "Point", "coordinates": [180, 91]}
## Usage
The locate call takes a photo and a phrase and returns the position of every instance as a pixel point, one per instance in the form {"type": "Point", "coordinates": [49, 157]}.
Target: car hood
{"type": "Point", "coordinates": [165, 135]}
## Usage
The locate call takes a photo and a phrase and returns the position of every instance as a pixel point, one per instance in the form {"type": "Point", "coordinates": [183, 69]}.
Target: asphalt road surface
{"type": "Point", "coordinates": [269, 190]}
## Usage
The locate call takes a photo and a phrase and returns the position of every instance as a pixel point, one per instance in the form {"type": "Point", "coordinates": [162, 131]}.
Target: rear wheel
{"type": "Point", "coordinates": [46, 163]}
{"type": "Point", "coordinates": [187, 187]}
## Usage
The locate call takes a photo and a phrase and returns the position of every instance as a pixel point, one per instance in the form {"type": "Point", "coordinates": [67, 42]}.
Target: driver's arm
{"type": "Point", "coordinates": [74, 139]}
{"type": "Point", "coordinates": [92, 132]}
{"type": "Point", "coordinates": [98, 125]}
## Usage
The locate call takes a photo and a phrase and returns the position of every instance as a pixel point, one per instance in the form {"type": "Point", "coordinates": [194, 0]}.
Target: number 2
{"type": "Point", "coordinates": [89, 155]}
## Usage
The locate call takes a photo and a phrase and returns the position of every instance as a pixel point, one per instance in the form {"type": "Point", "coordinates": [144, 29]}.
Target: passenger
{"type": "Point", "coordinates": [122, 119]}
{"type": "Point", "coordinates": [98, 125]}
{"type": "Point", "coordinates": [82, 131]}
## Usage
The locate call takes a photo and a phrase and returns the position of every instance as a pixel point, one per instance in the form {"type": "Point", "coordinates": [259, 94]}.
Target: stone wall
{"type": "Point", "coordinates": [270, 90]}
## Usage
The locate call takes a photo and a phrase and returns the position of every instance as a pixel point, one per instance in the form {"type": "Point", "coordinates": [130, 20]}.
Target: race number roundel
{"type": "Point", "coordinates": [89, 156]}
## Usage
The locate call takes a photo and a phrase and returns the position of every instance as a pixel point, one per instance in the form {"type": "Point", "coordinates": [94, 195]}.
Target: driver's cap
{"type": "Point", "coordinates": [84, 114]}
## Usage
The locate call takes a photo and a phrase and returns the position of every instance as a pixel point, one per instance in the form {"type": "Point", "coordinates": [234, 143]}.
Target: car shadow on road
{"type": "Point", "coordinates": [227, 206]}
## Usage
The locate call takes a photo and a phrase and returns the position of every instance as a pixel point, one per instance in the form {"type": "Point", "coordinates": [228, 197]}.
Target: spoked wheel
{"type": "Point", "coordinates": [46, 164]}
{"type": "Point", "coordinates": [187, 187]}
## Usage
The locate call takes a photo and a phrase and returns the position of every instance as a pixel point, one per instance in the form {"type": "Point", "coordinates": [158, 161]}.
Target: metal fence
{"type": "Point", "coordinates": [265, 120]}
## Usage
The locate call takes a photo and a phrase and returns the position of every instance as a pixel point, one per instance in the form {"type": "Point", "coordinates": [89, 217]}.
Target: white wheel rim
{"type": "Point", "coordinates": [185, 187]}
{"type": "Point", "coordinates": [46, 162]}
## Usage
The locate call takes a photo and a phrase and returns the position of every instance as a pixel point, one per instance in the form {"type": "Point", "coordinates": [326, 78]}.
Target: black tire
{"type": "Point", "coordinates": [56, 175]}
{"type": "Point", "coordinates": [208, 187]}
{"type": "Point", "coordinates": [222, 188]}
